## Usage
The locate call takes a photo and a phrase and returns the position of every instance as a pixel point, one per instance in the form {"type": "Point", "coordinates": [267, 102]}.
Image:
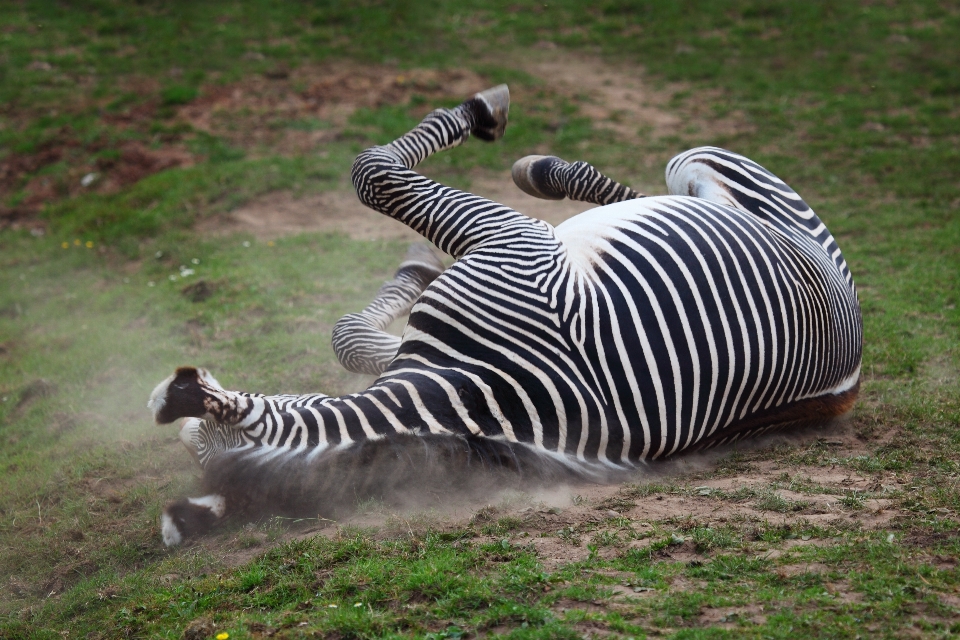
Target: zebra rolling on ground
{"type": "Point", "coordinates": [631, 332]}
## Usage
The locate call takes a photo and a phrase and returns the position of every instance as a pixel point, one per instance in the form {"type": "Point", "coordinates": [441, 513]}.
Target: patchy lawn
{"type": "Point", "coordinates": [173, 189]}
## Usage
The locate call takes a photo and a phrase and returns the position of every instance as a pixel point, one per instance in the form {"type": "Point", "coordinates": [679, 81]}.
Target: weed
{"type": "Point", "coordinates": [770, 501]}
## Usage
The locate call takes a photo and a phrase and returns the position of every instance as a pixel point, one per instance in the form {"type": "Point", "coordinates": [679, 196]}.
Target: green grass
{"type": "Point", "coordinates": [855, 104]}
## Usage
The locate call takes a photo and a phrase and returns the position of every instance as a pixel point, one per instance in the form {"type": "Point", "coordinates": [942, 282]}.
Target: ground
{"type": "Point", "coordinates": [174, 190]}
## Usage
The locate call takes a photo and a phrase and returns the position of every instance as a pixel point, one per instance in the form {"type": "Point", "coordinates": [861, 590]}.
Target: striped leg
{"type": "Point", "coordinates": [359, 339]}
{"type": "Point", "coordinates": [550, 178]}
{"type": "Point", "coordinates": [456, 222]}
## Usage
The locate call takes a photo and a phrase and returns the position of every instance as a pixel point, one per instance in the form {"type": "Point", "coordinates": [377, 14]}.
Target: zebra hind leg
{"type": "Point", "coordinates": [550, 178]}
{"type": "Point", "coordinates": [359, 339]}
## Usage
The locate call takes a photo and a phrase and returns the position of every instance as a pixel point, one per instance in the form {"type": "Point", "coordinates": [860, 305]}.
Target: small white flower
{"type": "Point", "coordinates": [246, 243]}
{"type": "Point", "coordinates": [151, 284]}
{"type": "Point", "coordinates": [195, 261]}
{"type": "Point", "coordinates": [173, 278]}
{"type": "Point", "coordinates": [88, 179]}
{"type": "Point", "coordinates": [358, 604]}
{"type": "Point", "coordinates": [332, 606]}
{"type": "Point", "coordinates": [186, 272]}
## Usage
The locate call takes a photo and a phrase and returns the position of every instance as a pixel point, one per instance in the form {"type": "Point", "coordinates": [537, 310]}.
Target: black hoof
{"type": "Point", "coordinates": [493, 107]}
{"type": "Point", "coordinates": [531, 175]}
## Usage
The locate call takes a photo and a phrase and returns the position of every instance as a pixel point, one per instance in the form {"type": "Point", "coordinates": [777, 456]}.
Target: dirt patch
{"type": "Point", "coordinates": [730, 617]}
{"type": "Point", "coordinates": [296, 112]}
{"type": "Point", "coordinates": [82, 172]}
{"type": "Point", "coordinates": [843, 591]}
{"type": "Point", "coordinates": [135, 162]}
{"type": "Point", "coordinates": [616, 98]}
{"type": "Point", "coordinates": [791, 570]}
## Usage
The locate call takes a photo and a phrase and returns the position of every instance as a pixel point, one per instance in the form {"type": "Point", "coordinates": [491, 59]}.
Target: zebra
{"type": "Point", "coordinates": [647, 326]}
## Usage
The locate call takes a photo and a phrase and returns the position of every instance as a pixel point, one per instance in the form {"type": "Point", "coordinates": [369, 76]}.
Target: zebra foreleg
{"type": "Point", "coordinates": [359, 339]}
{"type": "Point", "coordinates": [550, 178]}
{"type": "Point", "coordinates": [189, 517]}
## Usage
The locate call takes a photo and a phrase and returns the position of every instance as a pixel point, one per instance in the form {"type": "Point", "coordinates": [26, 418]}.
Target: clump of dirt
{"type": "Point", "coordinates": [199, 291]}
{"type": "Point", "coordinates": [200, 629]}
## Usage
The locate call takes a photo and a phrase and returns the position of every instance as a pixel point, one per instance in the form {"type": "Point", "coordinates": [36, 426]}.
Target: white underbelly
{"type": "Point", "coordinates": [585, 235]}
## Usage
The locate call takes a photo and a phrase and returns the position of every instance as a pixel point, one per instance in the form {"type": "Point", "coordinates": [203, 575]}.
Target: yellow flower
{"type": "Point", "coordinates": [65, 245]}
{"type": "Point", "coordinates": [223, 636]}
{"type": "Point", "coordinates": [77, 242]}
{"type": "Point", "coordinates": [270, 243]}
{"type": "Point", "coordinates": [89, 244]}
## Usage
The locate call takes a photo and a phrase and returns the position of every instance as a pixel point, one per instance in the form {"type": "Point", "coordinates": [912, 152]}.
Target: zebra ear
{"type": "Point", "coordinates": [179, 396]}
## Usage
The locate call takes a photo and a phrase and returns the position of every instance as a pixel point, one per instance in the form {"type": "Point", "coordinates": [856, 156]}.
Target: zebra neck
{"type": "Point", "coordinates": [299, 422]}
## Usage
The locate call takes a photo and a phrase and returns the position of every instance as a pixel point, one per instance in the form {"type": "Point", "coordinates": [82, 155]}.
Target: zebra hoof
{"type": "Point", "coordinates": [180, 395]}
{"type": "Point", "coordinates": [495, 104]}
{"type": "Point", "coordinates": [531, 174]}
{"type": "Point", "coordinates": [190, 517]}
